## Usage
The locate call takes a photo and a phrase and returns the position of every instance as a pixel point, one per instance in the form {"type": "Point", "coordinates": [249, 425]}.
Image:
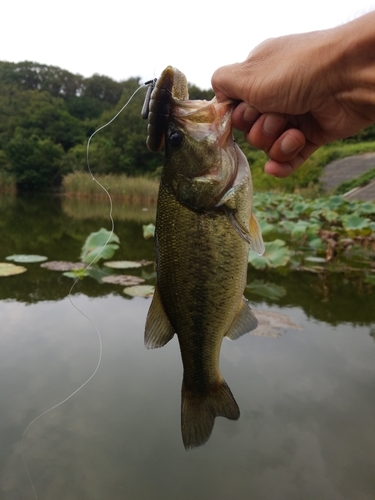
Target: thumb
{"type": "Point", "coordinates": [226, 83]}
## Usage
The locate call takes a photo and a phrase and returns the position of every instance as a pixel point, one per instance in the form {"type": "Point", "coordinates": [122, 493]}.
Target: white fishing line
{"type": "Point", "coordinates": [73, 286]}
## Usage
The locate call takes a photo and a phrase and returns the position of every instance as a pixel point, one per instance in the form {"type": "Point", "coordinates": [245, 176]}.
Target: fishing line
{"type": "Point", "coordinates": [149, 85]}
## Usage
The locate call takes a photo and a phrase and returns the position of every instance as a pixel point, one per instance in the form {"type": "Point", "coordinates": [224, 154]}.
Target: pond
{"type": "Point", "coordinates": [306, 394]}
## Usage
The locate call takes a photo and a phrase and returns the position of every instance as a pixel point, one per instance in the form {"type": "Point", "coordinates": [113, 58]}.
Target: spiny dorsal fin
{"type": "Point", "coordinates": [158, 329]}
{"type": "Point", "coordinates": [244, 322]}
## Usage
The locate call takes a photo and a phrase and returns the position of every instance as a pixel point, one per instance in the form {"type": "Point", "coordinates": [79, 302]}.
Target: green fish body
{"type": "Point", "coordinates": [204, 229]}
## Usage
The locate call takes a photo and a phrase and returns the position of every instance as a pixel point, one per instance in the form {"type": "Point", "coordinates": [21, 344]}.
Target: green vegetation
{"type": "Point", "coordinates": [362, 180]}
{"type": "Point", "coordinates": [307, 177]}
{"type": "Point", "coordinates": [48, 114]}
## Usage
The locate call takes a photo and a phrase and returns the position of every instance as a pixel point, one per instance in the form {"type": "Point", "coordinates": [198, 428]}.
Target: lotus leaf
{"type": "Point", "coordinates": [330, 215]}
{"type": "Point", "coordinates": [148, 231]}
{"type": "Point", "coordinates": [366, 208]}
{"type": "Point", "coordinates": [139, 291]}
{"type": "Point", "coordinates": [276, 254]}
{"type": "Point", "coordinates": [26, 259]}
{"type": "Point", "coordinates": [355, 222]}
{"type": "Point", "coordinates": [315, 242]}
{"type": "Point", "coordinates": [99, 245]}
{"type": "Point", "coordinates": [268, 290]}
{"type": "Point", "coordinates": [335, 202]}
{"type": "Point", "coordinates": [266, 227]}
{"type": "Point", "coordinates": [300, 207]}
{"type": "Point", "coordinates": [8, 269]}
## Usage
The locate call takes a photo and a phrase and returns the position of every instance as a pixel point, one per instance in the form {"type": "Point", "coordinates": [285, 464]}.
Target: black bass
{"type": "Point", "coordinates": [204, 229]}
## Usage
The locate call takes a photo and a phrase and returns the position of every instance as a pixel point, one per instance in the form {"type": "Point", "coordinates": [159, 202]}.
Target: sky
{"type": "Point", "coordinates": [130, 38]}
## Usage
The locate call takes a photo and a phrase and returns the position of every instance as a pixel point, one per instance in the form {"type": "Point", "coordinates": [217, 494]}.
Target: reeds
{"type": "Point", "coordinates": [139, 190]}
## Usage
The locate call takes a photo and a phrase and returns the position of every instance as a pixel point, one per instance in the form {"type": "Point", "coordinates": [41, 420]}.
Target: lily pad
{"type": "Point", "coordinates": [139, 291]}
{"type": "Point", "coordinates": [123, 264]}
{"type": "Point", "coordinates": [62, 265]}
{"type": "Point", "coordinates": [123, 279]}
{"type": "Point", "coordinates": [276, 254]}
{"type": "Point", "coordinates": [7, 269]}
{"type": "Point", "coordinates": [26, 259]}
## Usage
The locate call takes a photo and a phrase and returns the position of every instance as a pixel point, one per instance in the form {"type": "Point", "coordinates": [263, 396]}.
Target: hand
{"type": "Point", "coordinates": [299, 92]}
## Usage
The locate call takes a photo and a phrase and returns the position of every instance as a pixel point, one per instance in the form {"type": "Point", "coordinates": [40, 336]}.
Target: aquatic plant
{"type": "Point", "coordinates": [99, 245]}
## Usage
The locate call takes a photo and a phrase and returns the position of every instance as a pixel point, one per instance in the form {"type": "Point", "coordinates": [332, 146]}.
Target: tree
{"type": "Point", "coordinates": [34, 161]}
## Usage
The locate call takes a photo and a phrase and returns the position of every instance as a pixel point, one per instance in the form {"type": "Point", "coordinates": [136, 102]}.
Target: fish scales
{"type": "Point", "coordinates": [202, 239]}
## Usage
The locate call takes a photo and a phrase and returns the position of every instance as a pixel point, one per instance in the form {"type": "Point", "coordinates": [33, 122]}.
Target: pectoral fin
{"type": "Point", "coordinates": [244, 322]}
{"type": "Point", "coordinates": [256, 242]}
{"type": "Point", "coordinates": [253, 235]}
{"type": "Point", "coordinates": [158, 329]}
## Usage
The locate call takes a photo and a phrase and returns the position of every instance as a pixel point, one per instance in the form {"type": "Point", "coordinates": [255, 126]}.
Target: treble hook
{"type": "Point", "coordinates": [146, 105]}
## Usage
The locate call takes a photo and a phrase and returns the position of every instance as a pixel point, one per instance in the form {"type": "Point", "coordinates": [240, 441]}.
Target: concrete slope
{"type": "Point", "coordinates": [348, 168]}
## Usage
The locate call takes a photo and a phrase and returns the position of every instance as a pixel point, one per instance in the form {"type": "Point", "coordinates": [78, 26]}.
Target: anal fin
{"type": "Point", "coordinates": [158, 329]}
{"type": "Point", "coordinates": [244, 322]}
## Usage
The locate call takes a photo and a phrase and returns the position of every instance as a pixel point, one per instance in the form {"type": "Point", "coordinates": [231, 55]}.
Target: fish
{"type": "Point", "coordinates": [204, 229]}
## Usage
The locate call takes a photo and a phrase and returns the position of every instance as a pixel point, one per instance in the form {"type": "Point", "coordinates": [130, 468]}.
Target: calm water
{"type": "Point", "coordinates": [307, 426]}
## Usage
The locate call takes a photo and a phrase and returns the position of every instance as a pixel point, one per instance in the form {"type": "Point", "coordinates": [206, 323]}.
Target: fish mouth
{"type": "Point", "coordinates": [202, 119]}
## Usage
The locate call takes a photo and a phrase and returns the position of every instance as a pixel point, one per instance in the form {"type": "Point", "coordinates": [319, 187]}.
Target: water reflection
{"type": "Point", "coordinates": [306, 428]}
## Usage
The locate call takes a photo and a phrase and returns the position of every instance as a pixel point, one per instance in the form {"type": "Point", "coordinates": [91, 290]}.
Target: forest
{"type": "Point", "coordinates": [48, 114]}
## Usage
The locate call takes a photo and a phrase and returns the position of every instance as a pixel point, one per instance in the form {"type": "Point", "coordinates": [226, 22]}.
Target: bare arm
{"type": "Point", "coordinates": [301, 91]}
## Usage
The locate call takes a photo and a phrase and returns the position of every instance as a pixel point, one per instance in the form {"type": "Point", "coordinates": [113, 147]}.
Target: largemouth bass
{"type": "Point", "coordinates": [204, 228]}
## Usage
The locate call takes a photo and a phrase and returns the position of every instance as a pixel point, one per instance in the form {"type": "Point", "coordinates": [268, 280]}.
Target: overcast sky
{"type": "Point", "coordinates": [124, 38]}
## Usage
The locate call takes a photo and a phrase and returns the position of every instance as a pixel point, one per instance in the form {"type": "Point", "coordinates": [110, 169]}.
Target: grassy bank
{"type": "Point", "coordinates": [129, 189]}
{"type": "Point", "coordinates": [308, 176]}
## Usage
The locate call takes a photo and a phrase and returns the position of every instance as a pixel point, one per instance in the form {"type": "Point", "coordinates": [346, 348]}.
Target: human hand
{"type": "Point", "coordinates": [299, 92]}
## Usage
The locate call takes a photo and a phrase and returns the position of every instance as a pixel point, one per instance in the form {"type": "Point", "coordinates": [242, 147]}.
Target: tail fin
{"type": "Point", "coordinates": [198, 412]}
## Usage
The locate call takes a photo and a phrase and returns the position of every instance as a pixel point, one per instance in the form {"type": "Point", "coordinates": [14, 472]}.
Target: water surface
{"type": "Point", "coordinates": [307, 398]}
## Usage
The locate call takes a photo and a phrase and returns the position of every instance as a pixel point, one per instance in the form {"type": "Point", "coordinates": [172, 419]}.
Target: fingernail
{"type": "Point", "coordinates": [289, 144]}
{"type": "Point", "coordinates": [273, 124]}
{"type": "Point", "coordinates": [250, 114]}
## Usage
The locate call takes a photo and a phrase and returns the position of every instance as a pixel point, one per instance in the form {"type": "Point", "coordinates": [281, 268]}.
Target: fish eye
{"type": "Point", "coordinates": [175, 138]}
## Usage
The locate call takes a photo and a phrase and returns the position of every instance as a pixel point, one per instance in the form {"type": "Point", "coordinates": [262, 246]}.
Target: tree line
{"type": "Point", "coordinates": [47, 114]}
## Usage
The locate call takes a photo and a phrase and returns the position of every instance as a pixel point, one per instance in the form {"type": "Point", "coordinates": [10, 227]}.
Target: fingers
{"type": "Point", "coordinates": [270, 133]}
{"type": "Point", "coordinates": [284, 169]}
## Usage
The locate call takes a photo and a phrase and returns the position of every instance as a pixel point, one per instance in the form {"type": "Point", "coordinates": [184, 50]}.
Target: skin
{"type": "Point", "coordinates": [301, 91]}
